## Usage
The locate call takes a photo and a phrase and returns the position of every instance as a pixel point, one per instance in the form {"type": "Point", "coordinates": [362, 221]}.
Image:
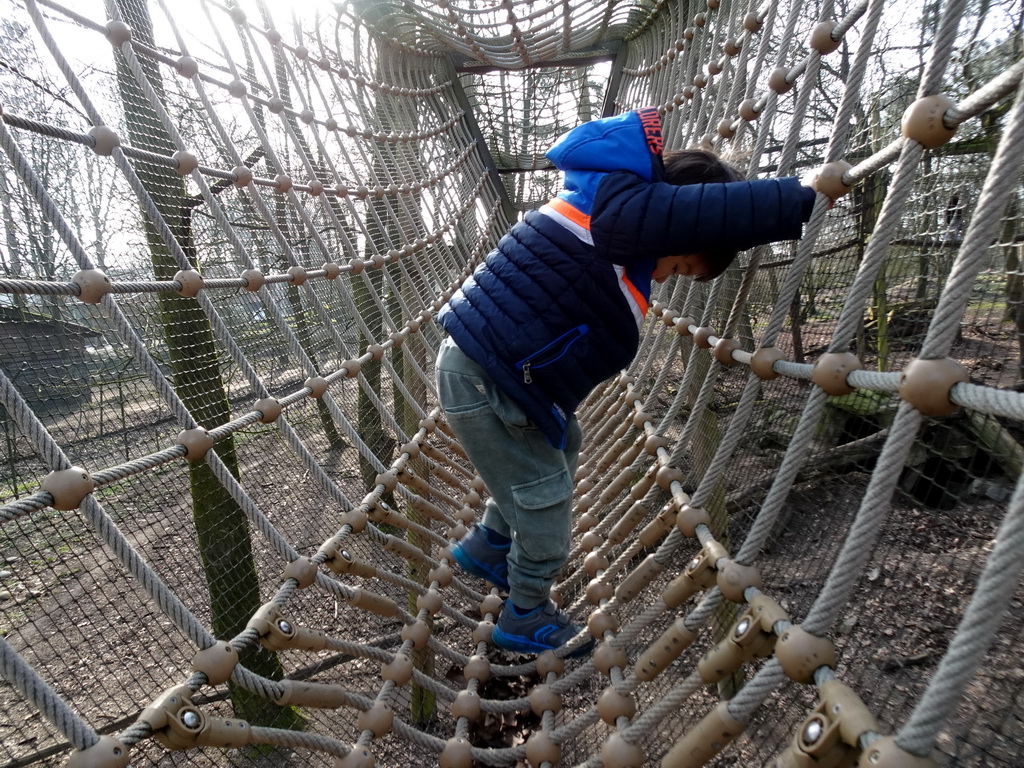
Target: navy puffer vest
{"type": "Point", "coordinates": [555, 308]}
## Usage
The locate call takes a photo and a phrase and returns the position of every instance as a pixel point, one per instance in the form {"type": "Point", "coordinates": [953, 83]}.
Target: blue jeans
{"type": "Point", "coordinates": [530, 482]}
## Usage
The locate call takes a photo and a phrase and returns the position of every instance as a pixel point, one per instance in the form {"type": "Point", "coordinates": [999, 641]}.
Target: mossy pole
{"type": "Point", "coordinates": [367, 288]}
{"type": "Point", "coordinates": [422, 701]}
{"type": "Point", "coordinates": [222, 530]}
{"type": "Point", "coordinates": [871, 197]}
{"type": "Point", "coordinates": [368, 420]}
{"type": "Point", "coordinates": [300, 313]}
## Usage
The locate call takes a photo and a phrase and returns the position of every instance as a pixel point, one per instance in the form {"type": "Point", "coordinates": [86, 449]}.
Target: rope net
{"type": "Point", "coordinates": [228, 489]}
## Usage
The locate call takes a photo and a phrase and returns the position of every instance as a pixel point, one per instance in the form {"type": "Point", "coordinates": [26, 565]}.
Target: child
{"type": "Point", "coordinates": [556, 309]}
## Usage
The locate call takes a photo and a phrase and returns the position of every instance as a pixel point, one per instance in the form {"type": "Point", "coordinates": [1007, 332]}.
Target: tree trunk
{"type": "Point", "coordinates": [222, 529]}
{"type": "Point", "coordinates": [300, 313]}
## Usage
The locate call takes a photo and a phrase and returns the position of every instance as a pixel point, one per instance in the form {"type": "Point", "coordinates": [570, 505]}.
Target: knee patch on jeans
{"type": "Point", "coordinates": [543, 517]}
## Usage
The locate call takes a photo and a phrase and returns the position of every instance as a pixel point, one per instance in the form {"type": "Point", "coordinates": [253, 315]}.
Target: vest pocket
{"type": "Point", "coordinates": [551, 352]}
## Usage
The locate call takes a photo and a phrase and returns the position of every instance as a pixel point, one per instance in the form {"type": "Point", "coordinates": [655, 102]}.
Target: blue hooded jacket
{"type": "Point", "coordinates": [556, 307]}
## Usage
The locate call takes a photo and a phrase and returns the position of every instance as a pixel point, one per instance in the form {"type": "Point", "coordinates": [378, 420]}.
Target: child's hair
{"type": "Point", "coordinates": [696, 166]}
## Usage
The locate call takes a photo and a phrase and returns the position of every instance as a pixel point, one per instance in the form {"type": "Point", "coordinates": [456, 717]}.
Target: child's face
{"type": "Point", "coordinates": [689, 264]}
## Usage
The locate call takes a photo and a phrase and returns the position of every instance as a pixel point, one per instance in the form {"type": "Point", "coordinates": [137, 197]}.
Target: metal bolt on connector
{"type": "Point", "coordinates": [813, 732]}
{"type": "Point", "coordinates": [742, 627]}
{"type": "Point", "coordinates": [191, 719]}
{"type": "Point", "coordinates": [284, 626]}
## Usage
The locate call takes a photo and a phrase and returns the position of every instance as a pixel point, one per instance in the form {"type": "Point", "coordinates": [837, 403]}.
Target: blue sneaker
{"type": "Point", "coordinates": [543, 628]}
{"type": "Point", "coordinates": [482, 552]}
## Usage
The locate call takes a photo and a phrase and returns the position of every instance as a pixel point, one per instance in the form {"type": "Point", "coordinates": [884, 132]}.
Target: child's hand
{"type": "Point", "coordinates": [810, 178]}
{"type": "Point", "coordinates": [828, 180]}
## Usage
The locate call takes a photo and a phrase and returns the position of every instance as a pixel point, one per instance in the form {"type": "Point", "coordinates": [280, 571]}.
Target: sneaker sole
{"type": "Point", "coordinates": [478, 569]}
{"type": "Point", "coordinates": [523, 644]}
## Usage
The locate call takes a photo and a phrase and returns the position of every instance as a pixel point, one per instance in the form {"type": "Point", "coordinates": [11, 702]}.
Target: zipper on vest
{"type": "Point", "coordinates": [551, 352]}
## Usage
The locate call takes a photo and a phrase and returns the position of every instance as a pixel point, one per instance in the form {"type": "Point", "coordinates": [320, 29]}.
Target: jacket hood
{"type": "Point", "coordinates": [629, 142]}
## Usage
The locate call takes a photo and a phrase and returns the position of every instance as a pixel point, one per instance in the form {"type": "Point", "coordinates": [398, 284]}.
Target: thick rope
{"type": "Point", "coordinates": [426, 276]}
{"type": "Point", "coordinates": [25, 680]}
{"type": "Point", "coordinates": [1002, 570]}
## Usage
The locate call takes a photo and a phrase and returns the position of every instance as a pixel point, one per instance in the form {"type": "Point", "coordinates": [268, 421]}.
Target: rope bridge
{"type": "Point", "coordinates": [229, 492]}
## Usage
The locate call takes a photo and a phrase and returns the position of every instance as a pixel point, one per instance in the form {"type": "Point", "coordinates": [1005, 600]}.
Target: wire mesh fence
{"type": "Point", "coordinates": [226, 234]}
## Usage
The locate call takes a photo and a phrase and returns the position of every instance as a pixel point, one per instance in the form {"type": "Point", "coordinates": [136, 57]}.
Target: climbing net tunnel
{"type": "Point", "coordinates": [228, 491]}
